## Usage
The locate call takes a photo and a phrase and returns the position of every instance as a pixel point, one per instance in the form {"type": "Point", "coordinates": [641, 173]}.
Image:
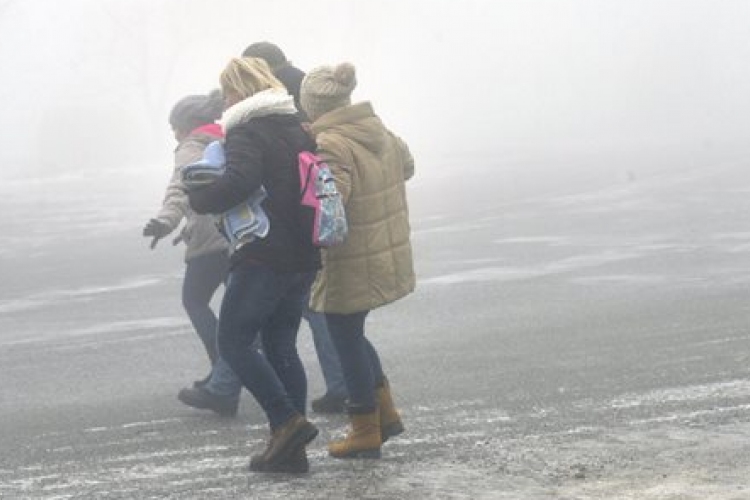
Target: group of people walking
{"type": "Point", "coordinates": [268, 112]}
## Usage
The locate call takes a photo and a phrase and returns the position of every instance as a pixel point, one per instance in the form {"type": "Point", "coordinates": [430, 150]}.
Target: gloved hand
{"type": "Point", "coordinates": [157, 229]}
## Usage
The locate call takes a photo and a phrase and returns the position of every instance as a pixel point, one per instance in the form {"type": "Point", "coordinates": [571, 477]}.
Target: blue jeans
{"type": "Point", "coordinates": [223, 381]}
{"type": "Point", "coordinates": [359, 359]}
{"type": "Point", "coordinates": [327, 355]}
{"type": "Point", "coordinates": [203, 276]}
{"type": "Point", "coordinates": [261, 301]}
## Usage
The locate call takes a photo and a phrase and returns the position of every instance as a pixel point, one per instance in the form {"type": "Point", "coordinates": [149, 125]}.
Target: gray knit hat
{"type": "Point", "coordinates": [327, 88]}
{"type": "Point", "coordinates": [195, 110]}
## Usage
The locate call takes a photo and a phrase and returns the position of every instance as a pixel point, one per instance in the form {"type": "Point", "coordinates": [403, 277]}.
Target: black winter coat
{"type": "Point", "coordinates": [263, 152]}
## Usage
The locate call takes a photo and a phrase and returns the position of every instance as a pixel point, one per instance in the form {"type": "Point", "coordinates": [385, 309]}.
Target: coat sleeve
{"type": "Point", "coordinates": [407, 160]}
{"type": "Point", "coordinates": [243, 175]}
{"type": "Point", "coordinates": [175, 205]}
{"type": "Point", "coordinates": [340, 164]}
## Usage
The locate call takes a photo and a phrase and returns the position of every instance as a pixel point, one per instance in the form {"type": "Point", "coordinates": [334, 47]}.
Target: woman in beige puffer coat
{"type": "Point", "coordinates": [374, 266]}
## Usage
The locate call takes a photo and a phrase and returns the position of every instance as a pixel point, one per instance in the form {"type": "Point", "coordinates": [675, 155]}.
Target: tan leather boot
{"type": "Point", "coordinates": [363, 440]}
{"type": "Point", "coordinates": [390, 420]}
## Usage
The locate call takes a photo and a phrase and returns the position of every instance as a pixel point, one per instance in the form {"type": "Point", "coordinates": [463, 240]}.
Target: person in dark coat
{"type": "Point", "coordinates": [270, 275]}
{"type": "Point", "coordinates": [334, 399]}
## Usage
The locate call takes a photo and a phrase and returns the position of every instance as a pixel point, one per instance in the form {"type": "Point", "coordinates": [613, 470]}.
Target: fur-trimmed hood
{"type": "Point", "coordinates": [267, 102]}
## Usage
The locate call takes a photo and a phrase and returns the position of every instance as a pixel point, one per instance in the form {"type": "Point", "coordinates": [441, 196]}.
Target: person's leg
{"type": "Point", "coordinates": [258, 299]}
{"type": "Point", "coordinates": [223, 381]}
{"type": "Point", "coordinates": [335, 395]}
{"type": "Point", "coordinates": [203, 276]}
{"type": "Point", "coordinates": [362, 370]}
{"type": "Point", "coordinates": [377, 369]}
{"type": "Point", "coordinates": [390, 419]}
{"type": "Point", "coordinates": [220, 393]}
{"type": "Point", "coordinates": [280, 341]}
{"type": "Point", "coordinates": [252, 294]}
{"type": "Point", "coordinates": [356, 357]}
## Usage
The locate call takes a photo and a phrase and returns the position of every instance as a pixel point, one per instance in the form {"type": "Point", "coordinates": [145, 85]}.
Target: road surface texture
{"type": "Point", "coordinates": [571, 346]}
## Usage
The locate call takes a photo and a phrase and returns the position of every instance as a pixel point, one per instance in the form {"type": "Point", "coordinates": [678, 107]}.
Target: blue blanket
{"type": "Point", "coordinates": [243, 223]}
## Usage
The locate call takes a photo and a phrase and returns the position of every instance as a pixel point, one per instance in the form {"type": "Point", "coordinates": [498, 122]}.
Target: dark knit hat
{"type": "Point", "coordinates": [327, 88]}
{"type": "Point", "coordinates": [269, 52]}
{"type": "Point", "coordinates": [195, 110]}
{"type": "Point", "coordinates": [282, 69]}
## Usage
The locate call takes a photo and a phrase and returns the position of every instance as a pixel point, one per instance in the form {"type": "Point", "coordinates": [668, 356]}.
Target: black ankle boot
{"type": "Point", "coordinates": [329, 403]}
{"type": "Point", "coordinates": [199, 384]}
{"type": "Point", "coordinates": [200, 398]}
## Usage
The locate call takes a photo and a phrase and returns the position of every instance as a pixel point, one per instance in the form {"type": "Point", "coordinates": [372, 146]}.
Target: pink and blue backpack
{"type": "Point", "coordinates": [323, 215]}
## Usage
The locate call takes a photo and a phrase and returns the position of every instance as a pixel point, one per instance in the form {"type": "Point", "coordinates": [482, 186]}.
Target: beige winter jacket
{"type": "Point", "coordinates": [200, 233]}
{"type": "Point", "coordinates": [374, 266]}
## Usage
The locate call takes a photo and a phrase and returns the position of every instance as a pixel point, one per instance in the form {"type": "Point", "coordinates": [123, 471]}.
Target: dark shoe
{"type": "Point", "coordinates": [328, 403]}
{"type": "Point", "coordinates": [284, 444]}
{"type": "Point", "coordinates": [200, 398]}
{"type": "Point", "coordinates": [296, 463]}
{"type": "Point", "coordinates": [199, 384]}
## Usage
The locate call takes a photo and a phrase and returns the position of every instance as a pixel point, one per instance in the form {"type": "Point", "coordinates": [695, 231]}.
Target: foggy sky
{"type": "Point", "coordinates": [89, 83]}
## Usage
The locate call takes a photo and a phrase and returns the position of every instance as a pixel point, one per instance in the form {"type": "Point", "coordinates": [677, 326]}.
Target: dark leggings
{"type": "Point", "coordinates": [359, 359]}
{"type": "Point", "coordinates": [203, 276]}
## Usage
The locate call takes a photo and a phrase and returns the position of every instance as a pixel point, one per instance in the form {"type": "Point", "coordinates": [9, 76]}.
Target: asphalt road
{"type": "Point", "coordinates": [589, 346]}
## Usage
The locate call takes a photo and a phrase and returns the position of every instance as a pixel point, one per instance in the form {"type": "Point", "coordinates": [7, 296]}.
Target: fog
{"type": "Point", "coordinates": [579, 225]}
{"type": "Point", "coordinates": [87, 84]}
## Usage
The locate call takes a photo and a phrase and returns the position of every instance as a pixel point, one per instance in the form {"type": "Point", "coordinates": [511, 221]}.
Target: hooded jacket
{"type": "Point", "coordinates": [374, 266]}
{"type": "Point", "coordinates": [263, 140]}
{"type": "Point", "coordinates": [200, 233]}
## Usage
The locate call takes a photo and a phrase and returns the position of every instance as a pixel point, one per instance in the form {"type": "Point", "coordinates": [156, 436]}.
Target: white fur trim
{"type": "Point", "coordinates": [267, 102]}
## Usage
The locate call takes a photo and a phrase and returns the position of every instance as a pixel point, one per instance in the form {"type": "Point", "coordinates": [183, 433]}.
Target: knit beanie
{"type": "Point", "coordinates": [327, 88]}
{"type": "Point", "coordinates": [195, 110]}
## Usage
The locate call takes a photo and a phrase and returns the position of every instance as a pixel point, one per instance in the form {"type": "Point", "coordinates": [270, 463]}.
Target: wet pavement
{"type": "Point", "coordinates": [588, 346]}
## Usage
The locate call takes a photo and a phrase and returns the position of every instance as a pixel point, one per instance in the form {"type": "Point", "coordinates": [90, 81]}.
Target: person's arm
{"type": "Point", "coordinates": [175, 205]}
{"type": "Point", "coordinates": [339, 162]}
{"type": "Point", "coordinates": [342, 176]}
{"type": "Point", "coordinates": [242, 177]}
{"type": "Point", "coordinates": [407, 160]}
